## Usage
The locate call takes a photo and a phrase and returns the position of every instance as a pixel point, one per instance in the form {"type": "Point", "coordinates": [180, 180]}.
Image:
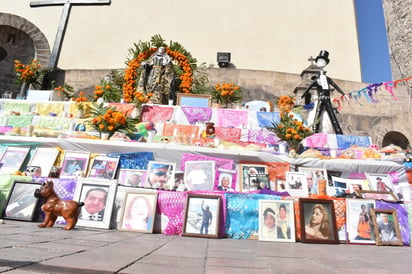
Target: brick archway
{"type": "Point", "coordinates": [396, 138]}
{"type": "Point", "coordinates": [22, 40]}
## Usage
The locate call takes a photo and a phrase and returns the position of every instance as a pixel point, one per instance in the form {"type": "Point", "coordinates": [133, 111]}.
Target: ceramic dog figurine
{"type": "Point", "coordinates": [54, 207]}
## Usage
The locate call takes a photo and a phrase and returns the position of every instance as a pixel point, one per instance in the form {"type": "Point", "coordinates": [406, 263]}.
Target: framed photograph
{"type": "Point", "coordinates": [13, 159]}
{"type": "Point", "coordinates": [296, 184]}
{"type": "Point", "coordinates": [202, 215]}
{"type": "Point", "coordinates": [200, 175]}
{"type": "Point", "coordinates": [377, 195]}
{"type": "Point", "coordinates": [21, 203]}
{"type": "Point", "coordinates": [225, 180]}
{"type": "Point", "coordinates": [380, 182]}
{"type": "Point", "coordinates": [317, 179]}
{"type": "Point", "coordinates": [132, 177]}
{"type": "Point", "coordinates": [318, 222]}
{"type": "Point", "coordinates": [98, 197]}
{"type": "Point", "coordinates": [193, 100]}
{"type": "Point", "coordinates": [386, 224]}
{"type": "Point", "coordinates": [258, 181]}
{"type": "Point", "coordinates": [180, 184]}
{"type": "Point", "coordinates": [160, 175]}
{"type": "Point", "coordinates": [44, 157]}
{"type": "Point", "coordinates": [74, 161]}
{"type": "Point", "coordinates": [359, 223]}
{"type": "Point", "coordinates": [139, 211]}
{"type": "Point", "coordinates": [103, 167]}
{"type": "Point", "coordinates": [276, 221]}
{"type": "Point", "coordinates": [249, 169]}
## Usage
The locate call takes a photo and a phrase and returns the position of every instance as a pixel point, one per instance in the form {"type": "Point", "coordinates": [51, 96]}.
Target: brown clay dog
{"type": "Point", "coordinates": [54, 207]}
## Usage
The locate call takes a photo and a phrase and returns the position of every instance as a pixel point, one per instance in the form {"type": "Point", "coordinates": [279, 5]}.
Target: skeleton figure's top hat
{"type": "Point", "coordinates": [323, 55]}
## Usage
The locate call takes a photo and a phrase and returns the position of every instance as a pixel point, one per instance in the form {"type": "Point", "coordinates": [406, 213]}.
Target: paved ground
{"type": "Point", "coordinates": [25, 248]}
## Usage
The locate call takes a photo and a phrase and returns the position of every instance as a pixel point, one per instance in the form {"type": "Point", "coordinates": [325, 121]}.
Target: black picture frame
{"type": "Point", "coordinates": [21, 203]}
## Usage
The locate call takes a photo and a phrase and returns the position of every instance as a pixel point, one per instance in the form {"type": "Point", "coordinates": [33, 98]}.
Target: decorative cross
{"type": "Point", "coordinates": [67, 4]}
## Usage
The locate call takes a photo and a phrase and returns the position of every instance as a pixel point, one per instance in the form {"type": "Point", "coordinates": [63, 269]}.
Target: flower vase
{"type": "Point", "coordinates": [80, 113]}
{"type": "Point", "coordinates": [136, 112]}
{"type": "Point", "coordinates": [23, 90]}
{"type": "Point", "coordinates": [104, 135]}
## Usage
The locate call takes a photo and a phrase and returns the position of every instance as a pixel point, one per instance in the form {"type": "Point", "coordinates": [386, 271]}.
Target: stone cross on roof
{"type": "Point", "coordinates": [67, 4]}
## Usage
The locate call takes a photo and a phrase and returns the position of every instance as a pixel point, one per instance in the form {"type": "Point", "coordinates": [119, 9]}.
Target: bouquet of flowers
{"type": "Point", "coordinates": [108, 119]}
{"type": "Point", "coordinates": [107, 91]}
{"type": "Point", "coordinates": [226, 93]}
{"type": "Point", "coordinates": [289, 129]}
{"type": "Point", "coordinates": [141, 98]}
{"type": "Point", "coordinates": [65, 90]}
{"type": "Point", "coordinates": [80, 100]}
{"type": "Point", "coordinates": [29, 73]}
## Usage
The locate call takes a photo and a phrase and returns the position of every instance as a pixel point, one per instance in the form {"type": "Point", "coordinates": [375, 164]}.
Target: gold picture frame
{"type": "Point", "coordinates": [193, 100]}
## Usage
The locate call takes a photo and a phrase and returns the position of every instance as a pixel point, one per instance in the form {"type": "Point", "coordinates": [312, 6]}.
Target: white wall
{"type": "Point", "coordinates": [273, 35]}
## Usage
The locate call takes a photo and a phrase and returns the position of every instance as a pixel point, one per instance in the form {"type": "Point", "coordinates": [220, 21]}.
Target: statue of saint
{"type": "Point", "coordinates": [157, 77]}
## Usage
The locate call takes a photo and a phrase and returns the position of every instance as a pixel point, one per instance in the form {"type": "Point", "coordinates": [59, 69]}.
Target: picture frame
{"type": "Point", "coordinates": [317, 180]}
{"type": "Point", "coordinates": [44, 157]}
{"type": "Point", "coordinates": [359, 224]}
{"type": "Point", "coordinates": [225, 180]}
{"type": "Point", "coordinates": [282, 211]}
{"type": "Point", "coordinates": [132, 177]}
{"type": "Point", "coordinates": [13, 158]}
{"type": "Point", "coordinates": [321, 230]}
{"type": "Point", "coordinates": [160, 175]}
{"type": "Point", "coordinates": [139, 211]}
{"type": "Point", "coordinates": [103, 167]}
{"type": "Point", "coordinates": [247, 169]}
{"type": "Point", "coordinates": [259, 181]}
{"type": "Point", "coordinates": [386, 227]}
{"type": "Point", "coordinates": [296, 184]}
{"type": "Point", "coordinates": [380, 182]}
{"type": "Point", "coordinates": [74, 161]}
{"type": "Point", "coordinates": [98, 196]}
{"type": "Point", "coordinates": [376, 195]}
{"type": "Point", "coordinates": [21, 203]}
{"type": "Point", "coordinates": [193, 100]}
{"type": "Point", "coordinates": [180, 184]}
{"type": "Point", "coordinates": [200, 175]}
{"type": "Point", "coordinates": [196, 206]}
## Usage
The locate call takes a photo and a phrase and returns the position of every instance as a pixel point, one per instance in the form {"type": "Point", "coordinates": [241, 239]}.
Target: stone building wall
{"type": "Point", "coordinates": [398, 19]}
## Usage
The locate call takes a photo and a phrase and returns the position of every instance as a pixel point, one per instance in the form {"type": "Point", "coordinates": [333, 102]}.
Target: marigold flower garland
{"type": "Point", "coordinates": [142, 52]}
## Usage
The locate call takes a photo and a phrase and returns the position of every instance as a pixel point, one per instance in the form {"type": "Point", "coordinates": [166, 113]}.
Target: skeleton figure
{"type": "Point", "coordinates": [157, 77]}
{"type": "Point", "coordinates": [321, 83]}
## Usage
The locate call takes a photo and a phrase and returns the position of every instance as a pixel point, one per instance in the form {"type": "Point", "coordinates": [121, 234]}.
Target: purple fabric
{"type": "Point", "coordinates": [197, 114]}
{"type": "Point", "coordinates": [402, 213]}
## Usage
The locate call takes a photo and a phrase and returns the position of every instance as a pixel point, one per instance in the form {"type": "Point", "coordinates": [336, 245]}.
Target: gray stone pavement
{"type": "Point", "coordinates": [25, 248]}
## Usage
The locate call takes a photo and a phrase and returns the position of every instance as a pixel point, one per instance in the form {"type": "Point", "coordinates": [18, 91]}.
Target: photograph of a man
{"type": "Point", "coordinates": [160, 175]}
{"type": "Point", "coordinates": [94, 204]}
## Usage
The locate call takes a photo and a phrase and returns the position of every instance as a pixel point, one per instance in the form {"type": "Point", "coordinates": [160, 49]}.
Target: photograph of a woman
{"type": "Point", "coordinates": [319, 221]}
{"type": "Point", "coordinates": [139, 209]}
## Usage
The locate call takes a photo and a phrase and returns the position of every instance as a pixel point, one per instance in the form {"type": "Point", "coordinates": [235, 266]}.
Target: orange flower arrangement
{"type": "Point", "coordinates": [285, 104]}
{"type": "Point", "coordinates": [66, 90]}
{"type": "Point", "coordinates": [108, 119]}
{"type": "Point", "coordinates": [226, 93]}
{"type": "Point", "coordinates": [143, 51]}
{"type": "Point", "coordinates": [108, 92]}
{"type": "Point", "coordinates": [29, 73]}
{"type": "Point", "coordinates": [80, 100]}
{"type": "Point", "coordinates": [289, 129]}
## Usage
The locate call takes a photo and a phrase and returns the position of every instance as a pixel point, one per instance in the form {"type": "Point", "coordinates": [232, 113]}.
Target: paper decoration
{"type": "Point", "coordinates": [346, 141]}
{"type": "Point", "coordinates": [126, 109]}
{"type": "Point", "coordinates": [197, 114]}
{"type": "Point", "coordinates": [231, 117]}
{"type": "Point", "coordinates": [189, 130]}
{"type": "Point", "coordinates": [52, 122]}
{"type": "Point", "coordinates": [156, 114]}
{"type": "Point", "coordinates": [47, 108]}
{"type": "Point", "coordinates": [267, 119]}
{"type": "Point", "coordinates": [20, 121]}
{"type": "Point", "coordinates": [17, 106]}
{"type": "Point", "coordinates": [134, 160]}
{"type": "Point", "coordinates": [219, 162]}
{"type": "Point", "coordinates": [262, 136]}
{"type": "Point", "coordinates": [228, 134]}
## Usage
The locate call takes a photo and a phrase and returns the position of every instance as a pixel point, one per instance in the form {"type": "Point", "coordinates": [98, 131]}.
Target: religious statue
{"type": "Point", "coordinates": [321, 83]}
{"type": "Point", "coordinates": [157, 77]}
